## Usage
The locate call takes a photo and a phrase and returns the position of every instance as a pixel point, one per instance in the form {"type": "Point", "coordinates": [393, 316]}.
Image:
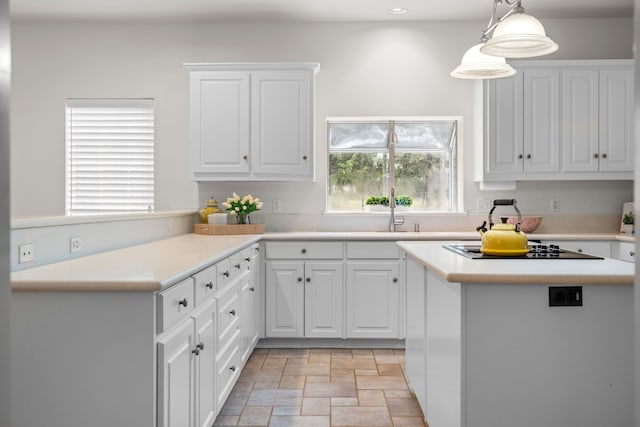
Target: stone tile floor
{"type": "Point", "coordinates": [322, 388]}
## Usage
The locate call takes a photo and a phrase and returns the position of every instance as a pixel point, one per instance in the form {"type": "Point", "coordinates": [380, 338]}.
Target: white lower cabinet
{"type": "Point", "coordinates": [333, 289]}
{"type": "Point", "coordinates": [205, 362]}
{"type": "Point", "coordinates": [304, 299]}
{"type": "Point", "coordinates": [625, 251]}
{"type": "Point", "coordinates": [372, 299]}
{"type": "Point", "coordinates": [176, 377]}
{"type": "Point", "coordinates": [591, 247]}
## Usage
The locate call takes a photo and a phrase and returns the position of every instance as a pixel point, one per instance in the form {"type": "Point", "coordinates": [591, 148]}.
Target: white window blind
{"type": "Point", "coordinates": [110, 156]}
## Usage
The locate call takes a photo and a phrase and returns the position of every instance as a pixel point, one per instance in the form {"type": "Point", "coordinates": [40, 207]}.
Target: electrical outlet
{"type": "Point", "coordinates": [75, 244]}
{"type": "Point", "coordinates": [483, 205]}
{"type": "Point", "coordinates": [276, 205]}
{"type": "Point", "coordinates": [555, 205]}
{"type": "Point", "coordinates": [565, 296]}
{"type": "Point", "coordinates": [26, 253]}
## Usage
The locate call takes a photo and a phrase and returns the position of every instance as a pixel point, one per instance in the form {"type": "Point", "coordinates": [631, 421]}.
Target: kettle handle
{"type": "Point", "coordinates": [505, 202]}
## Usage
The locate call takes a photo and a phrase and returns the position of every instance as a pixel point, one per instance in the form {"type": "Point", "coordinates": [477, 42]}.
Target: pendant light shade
{"type": "Point", "coordinates": [478, 65]}
{"type": "Point", "coordinates": [519, 36]}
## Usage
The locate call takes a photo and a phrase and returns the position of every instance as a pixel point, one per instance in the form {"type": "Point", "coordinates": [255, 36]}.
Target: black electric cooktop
{"type": "Point", "coordinates": [535, 252]}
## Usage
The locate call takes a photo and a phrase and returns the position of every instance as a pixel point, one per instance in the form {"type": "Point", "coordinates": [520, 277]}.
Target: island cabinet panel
{"type": "Point", "coordinates": [497, 354]}
{"type": "Point", "coordinates": [416, 334]}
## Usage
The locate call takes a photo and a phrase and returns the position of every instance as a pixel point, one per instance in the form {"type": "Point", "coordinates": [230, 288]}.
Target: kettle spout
{"type": "Point", "coordinates": [482, 229]}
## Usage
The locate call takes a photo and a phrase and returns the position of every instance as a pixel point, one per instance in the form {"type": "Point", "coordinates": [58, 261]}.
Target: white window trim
{"type": "Point", "coordinates": [110, 185]}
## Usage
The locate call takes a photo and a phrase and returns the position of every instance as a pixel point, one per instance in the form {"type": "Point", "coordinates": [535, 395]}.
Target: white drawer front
{"type": "Point", "coordinates": [206, 284]}
{"type": "Point", "coordinates": [228, 369]}
{"type": "Point", "coordinates": [175, 303]}
{"type": "Point", "coordinates": [304, 250]}
{"type": "Point", "coordinates": [228, 314]}
{"type": "Point", "coordinates": [373, 250]}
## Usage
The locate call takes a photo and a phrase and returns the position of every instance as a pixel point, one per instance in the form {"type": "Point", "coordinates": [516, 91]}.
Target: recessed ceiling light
{"type": "Point", "coordinates": [397, 11]}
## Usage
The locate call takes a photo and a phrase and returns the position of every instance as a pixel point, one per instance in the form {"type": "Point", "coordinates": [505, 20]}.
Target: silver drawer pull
{"type": "Point", "coordinates": [631, 253]}
{"type": "Point", "coordinates": [183, 302]}
{"type": "Point", "coordinates": [196, 351]}
{"type": "Point", "coordinates": [200, 346]}
{"type": "Point", "coordinates": [237, 266]}
{"type": "Point", "coordinates": [395, 280]}
{"type": "Point", "coordinates": [252, 289]}
{"type": "Point", "coordinates": [226, 273]}
{"type": "Point", "coordinates": [233, 368]}
{"type": "Point", "coordinates": [209, 285]}
{"type": "Point", "coordinates": [247, 259]}
{"type": "Point", "coordinates": [232, 312]}
{"type": "Point", "coordinates": [304, 251]}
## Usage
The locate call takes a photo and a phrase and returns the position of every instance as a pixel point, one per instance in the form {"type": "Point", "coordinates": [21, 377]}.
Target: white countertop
{"type": "Point", "coordinates": [456, 268]}
{"type": "Point", "coordinates": [430, 235]}
{"type": "Point", "coordinates": [148, 267]}
{"type": "Point", "coordinates": [156, 265]}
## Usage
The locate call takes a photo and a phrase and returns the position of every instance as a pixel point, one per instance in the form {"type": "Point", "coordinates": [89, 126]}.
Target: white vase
{"type": "Point", "coordinates": [627, 228]}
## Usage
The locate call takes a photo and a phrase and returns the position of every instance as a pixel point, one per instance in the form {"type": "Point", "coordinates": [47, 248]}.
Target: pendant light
{"type": "Point", "coordinates": [478, 65]}
{"type": "Point", "coordinates": [519, 35]}
{"type": "Point", "coordinates": [515, 35]}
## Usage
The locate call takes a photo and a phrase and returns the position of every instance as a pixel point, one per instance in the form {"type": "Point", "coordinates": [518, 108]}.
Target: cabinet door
{"type": "Point", "coordinates": [219, 123]}
{"type": "Point", "coordinates": [324, 296]}
{"type": "Point", "coordinates": [504, 143]}
{"type": "Point", "coordinates": [541, 121]}
{"type": "Point", "coordinates": [248, 315]}
{"type": "Point", "coordinates": [285, 299]}
{"type": "Point", "coordinates": [372, 299]}
{"type": "Point", "coordinates": [281, 125]}
{"type": "Point", "coordinates": [175, 377]}
{"type": "Point", "coordinates": [616, 120]}
{"type": "Point", "coordinates": [580, 120]}
{"type": "Point", "coordinates": [205, 351]}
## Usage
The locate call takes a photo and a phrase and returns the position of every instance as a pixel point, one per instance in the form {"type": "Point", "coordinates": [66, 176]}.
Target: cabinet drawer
{"type": "Point", "coordinates": [304, 250]}
{"type": "Point", "coordinates": [373, 250]}
{"type": "Point", "coordinates": [175, 303]}
{"type": "Point", "coordinates": [206, 284]}
{"type": "Point", "coordinates": [228, 369]}
{"type": "Point", "coordinates": [627, 251]}
{"type": "Point", "coordinates": [228, 314]}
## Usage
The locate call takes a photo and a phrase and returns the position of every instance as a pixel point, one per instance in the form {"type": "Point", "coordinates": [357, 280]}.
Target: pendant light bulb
{"type": "Point", "coordinates": [519, 36]}
{"type": "Point", "coordinates": [478, 65]}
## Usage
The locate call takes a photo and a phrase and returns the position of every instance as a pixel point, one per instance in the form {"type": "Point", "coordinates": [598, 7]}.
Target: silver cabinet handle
{"type": "Point", "coordinates": [183, 302]}
{"type": "Point", "coordinates": [237, 266]}
{"type": "Point", "coordinates": [304, 251]}
{"type": "Point", "coordinates": [299, 279]}
{"type": "Point", "coordinates": [308, 279]}
{"type": "Point", "coordinates": [604, 156]}
{"type": "Point", "coordinates": [226, 273]}
{"type": "Point", "coordinates": [395, 280]}
{"type": "Point", "coordinates": [233, 369]}
{"type": "Point", "coordinates": [232, 312]}
{"type": "Point", "coordinates": [631, 253]}
{"type": "Point", "coordinates": [252, 289]}
{"type": "Point", "coordinates": [209, 285]}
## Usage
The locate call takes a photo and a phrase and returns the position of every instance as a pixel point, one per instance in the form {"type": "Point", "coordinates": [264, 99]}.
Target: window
{"type": "Point", "coordinates": [110, 156]}
{"type": "Point", "coordinates": [420, 164]}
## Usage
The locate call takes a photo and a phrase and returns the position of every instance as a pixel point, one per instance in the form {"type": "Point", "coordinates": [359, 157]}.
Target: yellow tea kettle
{"type": "Point", "coordinates": [503, 239]}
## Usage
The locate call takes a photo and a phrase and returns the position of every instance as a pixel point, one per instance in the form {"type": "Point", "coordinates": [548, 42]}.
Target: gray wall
{"type": "Point", "coordinates": [366, 69]}
{"type": "Point", "coordinates": [5, 293]}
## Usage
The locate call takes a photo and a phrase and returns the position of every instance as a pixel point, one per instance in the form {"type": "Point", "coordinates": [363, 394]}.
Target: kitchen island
{"type": "Point", "coordinates": [486, 349]}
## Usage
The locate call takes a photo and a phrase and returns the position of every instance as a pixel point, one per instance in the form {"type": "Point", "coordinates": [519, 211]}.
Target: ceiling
{"type": "Point", "coordinates": [303, 10]}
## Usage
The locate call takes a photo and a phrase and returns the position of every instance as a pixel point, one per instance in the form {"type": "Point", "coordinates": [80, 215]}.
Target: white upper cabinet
{"type": "Point", "coordinates": [541, 121]}
{"type": "Point", "coordinates": [616, 120]}
{"type": "Point", "coordinates": [252, 122]}
{"type": "Point", "coordinates": [558, 120]}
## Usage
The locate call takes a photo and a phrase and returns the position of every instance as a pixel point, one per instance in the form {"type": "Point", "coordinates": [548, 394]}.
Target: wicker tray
{"type": "Point", "coordinates": [222, 230]}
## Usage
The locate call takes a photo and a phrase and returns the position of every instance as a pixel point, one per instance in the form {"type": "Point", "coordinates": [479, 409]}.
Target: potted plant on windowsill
{"type": "Point", "coordinates": [627, 223]}
{"type": "Point", "coordinates": [381, 203]}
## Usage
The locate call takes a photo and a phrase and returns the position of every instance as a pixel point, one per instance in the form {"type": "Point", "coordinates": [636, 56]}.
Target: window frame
{"type": "Point", "coordinates": [457, 175]}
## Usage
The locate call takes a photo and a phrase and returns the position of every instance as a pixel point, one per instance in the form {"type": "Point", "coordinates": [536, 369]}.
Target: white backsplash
{"type": "Point", "coordinates": [51, 236]}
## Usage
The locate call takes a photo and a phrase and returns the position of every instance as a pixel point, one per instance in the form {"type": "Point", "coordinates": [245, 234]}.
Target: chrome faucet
{"type": "Point", "coordinates": [393, 221]}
